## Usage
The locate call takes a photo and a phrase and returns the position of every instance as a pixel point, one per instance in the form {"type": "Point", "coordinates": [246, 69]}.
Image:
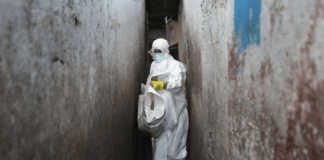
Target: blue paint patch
{"type": "Point", "coordinates": [247, 23]}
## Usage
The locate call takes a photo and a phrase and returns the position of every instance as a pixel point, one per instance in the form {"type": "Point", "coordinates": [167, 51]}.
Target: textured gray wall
{"type": "Point", "coordinates": [190, 54]}
{"type": "Point", "coordinates": [265, 103]}
{"type": "Point", "coordinates": [69, 78]}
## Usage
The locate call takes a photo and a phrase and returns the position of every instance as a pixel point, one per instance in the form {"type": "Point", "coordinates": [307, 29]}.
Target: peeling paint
{"type": "Point", "coordinates": [247, 23]}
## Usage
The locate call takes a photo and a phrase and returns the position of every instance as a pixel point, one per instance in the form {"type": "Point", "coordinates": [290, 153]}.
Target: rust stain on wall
{"type": "Point", "coordinates": [266, 69]}
{"type": "Point", "coordinates": [305, 123]}
{"type": "Point", "coordinates": [232, 59]}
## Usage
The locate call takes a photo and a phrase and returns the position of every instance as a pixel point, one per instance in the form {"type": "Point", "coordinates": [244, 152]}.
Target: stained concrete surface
{"type": "Point", "coordinates": [265, 102]}
{"type": "Point", "coordinates": [191, 49]}
{"type": "Point", "coordinates": [70, 73]}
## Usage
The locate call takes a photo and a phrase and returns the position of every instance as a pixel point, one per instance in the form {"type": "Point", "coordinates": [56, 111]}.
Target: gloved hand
{"type": "Point", "coordinates": [159, 85]}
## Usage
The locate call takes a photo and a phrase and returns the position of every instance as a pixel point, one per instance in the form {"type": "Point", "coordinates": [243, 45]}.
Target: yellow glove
{"type": "Point", "coordinates": [158, 85]}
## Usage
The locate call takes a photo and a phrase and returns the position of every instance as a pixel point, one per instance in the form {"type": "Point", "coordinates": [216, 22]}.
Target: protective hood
{"type": "Point", "coordinates": [162, 45]}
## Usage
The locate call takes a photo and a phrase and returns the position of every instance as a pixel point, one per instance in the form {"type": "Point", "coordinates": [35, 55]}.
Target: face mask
{"type": "Point", "coordinates": [159, 57]}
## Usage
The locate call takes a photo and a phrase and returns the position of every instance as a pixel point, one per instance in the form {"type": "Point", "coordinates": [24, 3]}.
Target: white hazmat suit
{"type": "Point", "coordinates": [171, 104]}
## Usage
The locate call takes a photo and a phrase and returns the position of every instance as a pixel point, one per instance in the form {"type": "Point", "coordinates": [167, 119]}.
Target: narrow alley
{"type": "Point", "coordinates": [71, 74]}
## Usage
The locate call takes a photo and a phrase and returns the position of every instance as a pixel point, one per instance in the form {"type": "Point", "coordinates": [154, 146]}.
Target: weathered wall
{"type": "Point", "coordinates": [69, 78]}
{"type": "Point", "coordinates": [215, 82]}
{"type": "Point", "coordinates": [280, 85]}
{"type": "Point", "coordinates": [256, 78]}
{"type": "Point", "coordinates": [190, 54]}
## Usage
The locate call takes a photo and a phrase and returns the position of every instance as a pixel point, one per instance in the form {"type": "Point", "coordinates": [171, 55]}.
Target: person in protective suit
{"type": "Point", "coordinates": [170, 77]}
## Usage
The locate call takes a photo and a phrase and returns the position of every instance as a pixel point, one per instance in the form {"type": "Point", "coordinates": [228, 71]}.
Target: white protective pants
{"type": "Point", "coordinates": [172, 145]}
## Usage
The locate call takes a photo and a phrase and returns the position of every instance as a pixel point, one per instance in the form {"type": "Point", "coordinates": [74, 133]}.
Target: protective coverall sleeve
{"type": "Point", "coordinates": [177, 78]}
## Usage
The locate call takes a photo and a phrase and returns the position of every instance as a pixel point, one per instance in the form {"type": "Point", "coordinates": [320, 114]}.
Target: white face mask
{"type": "Point", "coordinates": [159, 57]}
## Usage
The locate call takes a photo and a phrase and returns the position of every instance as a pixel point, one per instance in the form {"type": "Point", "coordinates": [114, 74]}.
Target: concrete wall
{"type": "Point", "coordinates": [217, 27]}
{"type": "Point", "coordinates": [256, 78]}
{"type": "Point", "coordinates": [190, 54]}
{"type": "Point", "coordinates": [69, 78]}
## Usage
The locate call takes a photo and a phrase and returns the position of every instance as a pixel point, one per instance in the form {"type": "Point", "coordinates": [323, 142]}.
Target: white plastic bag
{"type": "Point", "coordinates": [151, 112]}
